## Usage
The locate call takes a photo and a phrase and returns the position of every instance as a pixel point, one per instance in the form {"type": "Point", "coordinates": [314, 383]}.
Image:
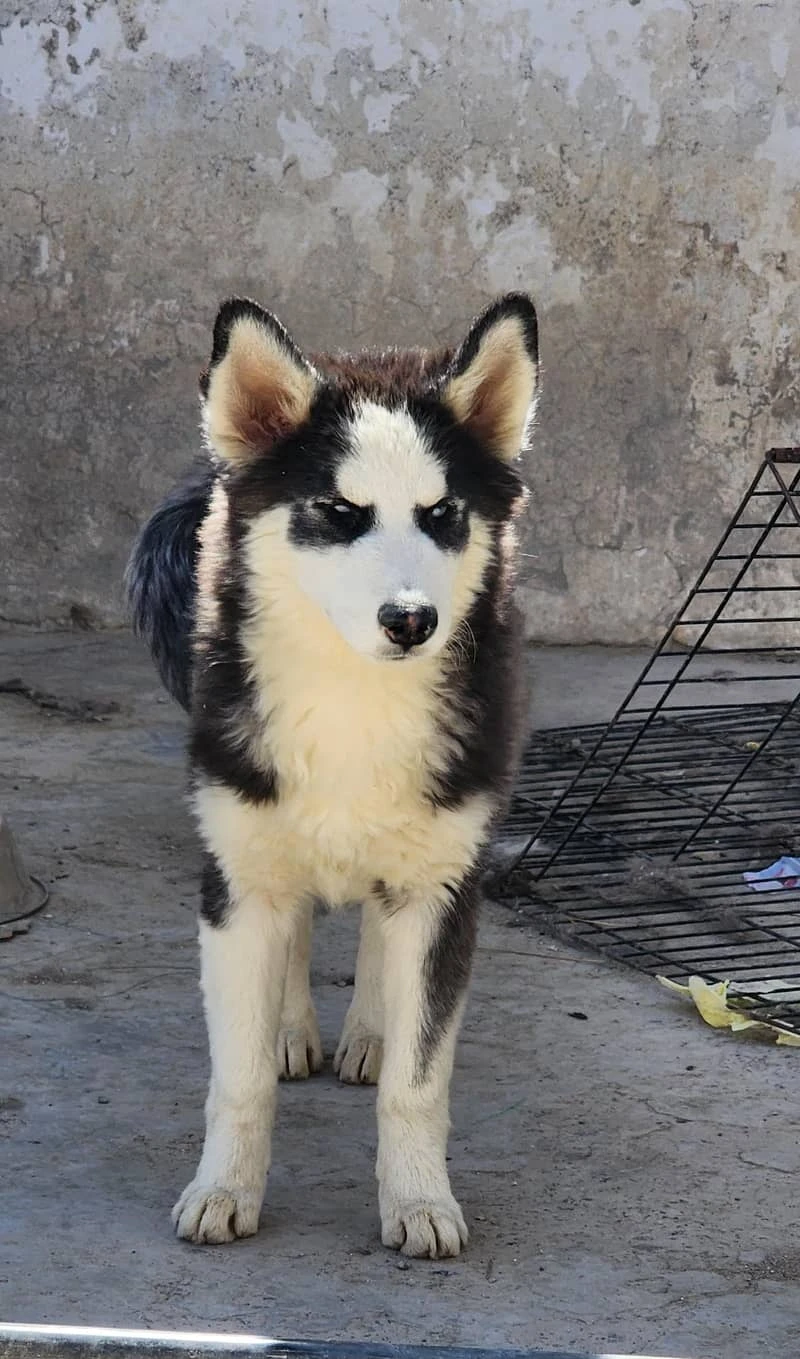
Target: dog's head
{"type": "Point", "coordinates": [371, 493]}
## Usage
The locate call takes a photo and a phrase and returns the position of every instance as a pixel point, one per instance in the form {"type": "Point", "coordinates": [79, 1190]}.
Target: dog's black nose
{"type": "Point", "coordinates": [408, 627]}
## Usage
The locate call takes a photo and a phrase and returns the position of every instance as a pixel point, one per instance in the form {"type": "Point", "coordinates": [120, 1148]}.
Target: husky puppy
{"type": "Point", "coordinates": [329, 593]}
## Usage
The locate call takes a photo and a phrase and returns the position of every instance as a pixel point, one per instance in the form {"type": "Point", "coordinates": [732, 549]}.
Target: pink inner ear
{"type": "Point", "coordinates": [258, 423]}
{"type": "Point", "coordinates": [268, 395]}
{"type": "Point", "coordinates": [485, 409]}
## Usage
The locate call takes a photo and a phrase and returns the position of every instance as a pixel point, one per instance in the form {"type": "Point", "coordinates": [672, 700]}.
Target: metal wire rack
{"type": "Point", "coordinates": [633, 837]}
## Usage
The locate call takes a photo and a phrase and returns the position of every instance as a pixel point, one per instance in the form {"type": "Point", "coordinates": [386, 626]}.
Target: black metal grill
{"type": "Point", "coordinates": [633, 837]}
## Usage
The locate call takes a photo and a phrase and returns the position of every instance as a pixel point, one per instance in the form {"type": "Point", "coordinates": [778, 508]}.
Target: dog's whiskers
{"type": "Point", "coordinates": [464, 648]}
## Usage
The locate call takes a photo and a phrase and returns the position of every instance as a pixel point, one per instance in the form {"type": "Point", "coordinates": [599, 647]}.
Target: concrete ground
{"type": "Point", "coordinates": [630, 1178]}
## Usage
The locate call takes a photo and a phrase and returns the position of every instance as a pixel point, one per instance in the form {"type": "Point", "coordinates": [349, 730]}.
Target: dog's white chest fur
{"type": "Point", "coordinates": [353, 745]}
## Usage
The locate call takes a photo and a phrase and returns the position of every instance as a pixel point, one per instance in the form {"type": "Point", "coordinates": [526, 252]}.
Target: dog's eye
{"type": "Point", "coordinates": [340, 521]}
{"type": "Point", "coordinates": [446, 522]}
{"type": "Point", "coordinates": [338, 509]}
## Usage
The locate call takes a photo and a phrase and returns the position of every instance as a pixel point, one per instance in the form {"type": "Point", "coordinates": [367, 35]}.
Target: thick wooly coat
{"type": "Point", "coordinates": [330, 594]}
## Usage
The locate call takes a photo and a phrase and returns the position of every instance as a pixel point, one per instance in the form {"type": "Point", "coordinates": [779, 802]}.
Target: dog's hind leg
{"type": "Point", "coordinates": [428, 955]}
{"type": "Point", "coordinates": [244, 957]}
{"type": "Point", "coordinates": [360, 1051]}
{"type": "Point", "coordinates": [299, 1046]}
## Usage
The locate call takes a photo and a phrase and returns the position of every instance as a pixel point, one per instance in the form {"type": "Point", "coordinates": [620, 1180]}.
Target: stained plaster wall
{"type": "Point", "coordinates": [377, 172]}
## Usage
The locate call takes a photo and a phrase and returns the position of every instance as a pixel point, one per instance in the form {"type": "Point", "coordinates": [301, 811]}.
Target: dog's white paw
{"type": "Point", "coordinates": [209, 1214]}
{"type": "Point", "coordinates": [431, 1230]}
{"type": "Point", "coordinates": [299, 1049]}
{"type": "Point", "coordinates": [359, 1056]}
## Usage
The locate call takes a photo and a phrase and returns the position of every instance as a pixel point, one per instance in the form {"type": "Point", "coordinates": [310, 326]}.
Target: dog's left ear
{"type": "Point", "coordinates": [491, 386]}
{"type": "Point", "coordinates": [258, 386]}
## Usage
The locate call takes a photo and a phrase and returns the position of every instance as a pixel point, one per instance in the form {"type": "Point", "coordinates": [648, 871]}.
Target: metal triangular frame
{"type": "Point", "coordinates": [638, 833]}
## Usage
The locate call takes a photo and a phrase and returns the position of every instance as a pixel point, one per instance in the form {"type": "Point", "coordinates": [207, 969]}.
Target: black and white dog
{"type": "Point", "coordinates": [330, 595]}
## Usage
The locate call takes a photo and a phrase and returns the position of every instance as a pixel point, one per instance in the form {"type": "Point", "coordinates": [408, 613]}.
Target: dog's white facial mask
{"type": "Point", "coordinates": [393, 473]}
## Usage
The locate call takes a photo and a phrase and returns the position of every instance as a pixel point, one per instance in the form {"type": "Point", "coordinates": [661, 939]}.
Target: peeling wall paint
{"type": "Point", "coordinates": [376, 173]}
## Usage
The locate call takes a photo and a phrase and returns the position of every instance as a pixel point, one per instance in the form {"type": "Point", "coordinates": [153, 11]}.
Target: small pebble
{"type": "Point", "coordinates": [402, 1264]}
{"type": "Point", "coordinates": [103, 1099]}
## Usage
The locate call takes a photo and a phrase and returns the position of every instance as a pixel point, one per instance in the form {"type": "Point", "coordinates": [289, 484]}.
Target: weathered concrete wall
{"type": "Point", "coordinates": [376, 173]}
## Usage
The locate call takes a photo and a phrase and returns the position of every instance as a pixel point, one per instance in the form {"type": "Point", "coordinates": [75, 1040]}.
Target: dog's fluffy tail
{"type": "Point", "coordinates": [161, 583]}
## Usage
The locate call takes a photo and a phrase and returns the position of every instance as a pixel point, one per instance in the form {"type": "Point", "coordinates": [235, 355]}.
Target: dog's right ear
{"type": "Point", "coordinates": [258, 386]}
{"type": "Point", "coordinates": [491, 388]}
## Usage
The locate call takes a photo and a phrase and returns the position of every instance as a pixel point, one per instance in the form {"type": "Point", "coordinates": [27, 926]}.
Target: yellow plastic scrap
{"type": "Point", "coordinates": [711, 1000]}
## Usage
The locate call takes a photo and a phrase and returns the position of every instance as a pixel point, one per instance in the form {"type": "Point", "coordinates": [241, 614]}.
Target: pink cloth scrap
{"type": "Point", "coordinates": [784, 872]}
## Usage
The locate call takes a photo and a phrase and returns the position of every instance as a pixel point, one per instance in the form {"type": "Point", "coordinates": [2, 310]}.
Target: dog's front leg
{"type": "Point", "coordinates": [428, 952]}
{"type": "Point", "coordinates": [360, 1051]}
{"type": "Point", "coordinates": [299, 1043]}
{"type": "Point", "coordinates": [243, 969]}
